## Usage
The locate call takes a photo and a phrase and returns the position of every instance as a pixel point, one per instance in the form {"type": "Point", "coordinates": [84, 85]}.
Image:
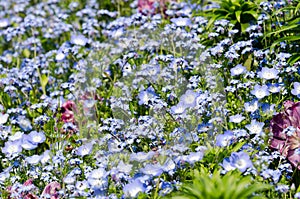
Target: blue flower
{"type": "Point", "coordinates": [132, 189]}
{"type": "Point", "coordinates": [237, 160]}
{"type": "Point", "coordinates": [3, 118]}
{"type": "Point", "coordinates": [85, 149]}
{"type": "Point", "coordinates": [180, 22]}
{"type": "Point", "coordinates": [145, 96]}
{"type": "Point", "coordinates": [255, 127]}
{"type": "Point", "coordinates": [79, 40]}
{"type": "Point", "coordinates": [152, 169]}
{"type": "Point", "coordinates": [36, 137]}
{"type": "Point", "coordinates": [236, 118]}
{"type": "Point", "coordinates": [24, 123]}
{"type": "Point", "coordinates": [296, 89]}
{"type": "Point", "coordinates": [237, 70]}
{"type": "Point", "coordinates": [268, 73]}
{"type": "Point", "coordinates": [27, 143]}
{"type": "Point", "coordinates": [260, 91]}
{"type": "Point", "coordinates": [12, 147]}
{"type": "Point", "coordinates": [189, 99]}
{"type": "Point", "coordinates": [225, 139]}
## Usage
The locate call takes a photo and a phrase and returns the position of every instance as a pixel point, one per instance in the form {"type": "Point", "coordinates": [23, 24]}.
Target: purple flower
{"type": "Point", "coordinates": [237, 160]}
{"type": "Point", "coordinates": [225, 139]}
{"type": "Point", "coordinates": [287, 142]}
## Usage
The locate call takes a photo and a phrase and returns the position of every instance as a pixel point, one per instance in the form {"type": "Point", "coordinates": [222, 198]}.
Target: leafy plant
{"type": "Point", "coordinates": [232, 185]}
{"type": "Point", "coordinates": [238, 12]}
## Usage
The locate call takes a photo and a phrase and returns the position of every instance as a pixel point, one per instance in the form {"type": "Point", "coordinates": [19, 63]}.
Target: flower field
{"type": "Point", "coordinates": [149, 99]}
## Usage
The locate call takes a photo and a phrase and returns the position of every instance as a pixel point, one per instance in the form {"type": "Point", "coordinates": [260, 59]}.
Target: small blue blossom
{"type": "Point", "coordinates": [255, 127]}
{"type": "Point", "coordinates": [223, 140]}
{"type": "Point", "coordinates": [238, 70]}
{"type": "Point", "coordinates": [260, 91]}
{"type": "Point", "coordinates": [268, 73]}
{"type": "Point", "coordinates": [237, 160]}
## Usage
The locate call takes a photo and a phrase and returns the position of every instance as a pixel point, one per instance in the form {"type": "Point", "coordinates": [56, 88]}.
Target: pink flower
{"type": "Point", "coordinates": [285, 127]}
{"type": "Point", "coordinates": [51, 190]}
{"type": "Point", "coordinates": [29, 195]}
{"type": "Point", "coordinates": [150, 6]}
{"type": "Point", "coordinates": [67, 111]}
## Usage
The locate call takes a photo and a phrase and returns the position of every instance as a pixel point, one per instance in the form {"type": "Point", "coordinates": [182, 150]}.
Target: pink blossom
{"type": "Point", "coordinates": [287, 140]}
{"type": "Point", "coordinates": [51, 189]}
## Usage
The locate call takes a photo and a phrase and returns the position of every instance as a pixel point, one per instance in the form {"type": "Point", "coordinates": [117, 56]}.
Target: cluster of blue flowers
{"type": "Point", "coordinates": [103, 103]}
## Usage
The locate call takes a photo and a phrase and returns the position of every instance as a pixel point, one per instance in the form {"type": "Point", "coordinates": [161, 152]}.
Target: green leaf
{"type": "Point", "coordinates": [281, 30]}
{"type": "Point", "coordinates": [288, 39]}
{"type": "Point", "coordinates": [294, 58]}
{"type": "Point", "coordinates": [252, 12]}
{"type": "Point", "coordinates": [238, 15]}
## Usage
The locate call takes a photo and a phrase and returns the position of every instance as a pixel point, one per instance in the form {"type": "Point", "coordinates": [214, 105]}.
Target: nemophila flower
{"type": "Point", "coordinates": [12, 147]}
{"type": "Point", "coordinates": [152, 169]}
{"type": "Point", "coordinates": [141, 156]}
{"type": "Point", "coordinates": [255, 127]}
{"type": "Point", "coordinates": [237, 70]}
{"type": "Point", "coordinates": [225, 139]}
{"type": "Point", "coordinates": [189, 98]}
{"type": "Point", "coordinates": [60, 55]}
{"type": "Point", "coordinates": [296, 89]}
{"type": "Point", "coordinates": [195, 157]}
{"type": "Point", "coordinates": [178, 109]}
{"type": "Point", "coordinates": [79, 40]}
{"type": "Point", "coordinates": [251, 106]}
{"type": "Point", "coordinates": [85, 149]}
{"type": "Point", "coordinates": [260, 91]}
{"type": "Point", "coordinates": [237, 160]}
{"type": "Point", "coordinates": [36, 137]}
{"type": "Point", "coordinates": [24, 123]}
{"type": "Point", "coordinates": [204, 127]}
{"type": "Point", "coordinates": [33, 160]}
{"type": "Point", "coordinates": [286, 139]}
{"type": "Point", "coordinates": [268, 73]}
{"type": "Point", "coordinates": [3, 118]}
{"type": "Point", "coordinates": [146, 95]}
{"type": "Point", "coordinates": [236, 118]}
{"type": "Point", "coordinates": [4, 22]}
{"type": "Point", "coordinates": [274, 88]}
{"type": "Point", "coordinates": [181, 22]}
{"type": "Point", "coordinates": [132, 189]}
{"type": "Point", "coordinates": [282, 188]}
{"type": "Point", "coordinates": [27, 143]}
